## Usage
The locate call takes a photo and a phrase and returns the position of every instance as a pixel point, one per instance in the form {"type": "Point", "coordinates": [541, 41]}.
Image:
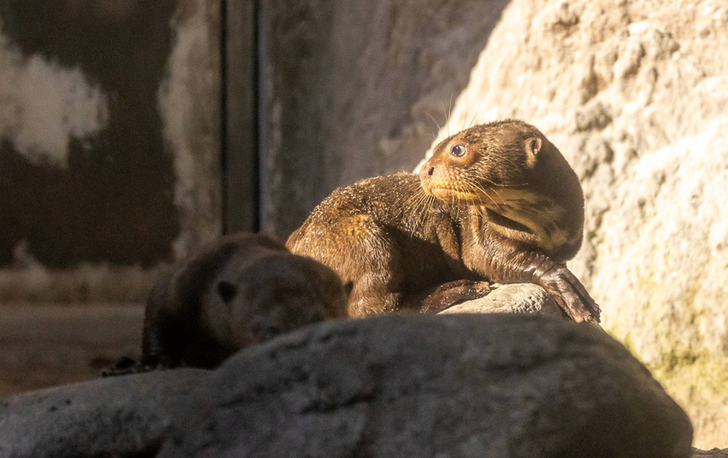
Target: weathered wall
{"type": "Point", "coordinates": [634, 94]}
{"type": "Point", "coordinates": [109, 143]}
{"type": "Point", "coordinates": [350, 88]}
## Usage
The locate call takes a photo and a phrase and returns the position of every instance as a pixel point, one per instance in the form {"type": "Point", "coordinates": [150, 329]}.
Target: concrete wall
{"type": "Point", "coordinates": [109, 143]}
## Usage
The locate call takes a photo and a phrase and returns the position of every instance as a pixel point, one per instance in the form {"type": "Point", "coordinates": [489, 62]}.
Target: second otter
{"type": "Point", "coordinates": [496, 202]}
{"type": "Point", "coordinates": [233, 293]}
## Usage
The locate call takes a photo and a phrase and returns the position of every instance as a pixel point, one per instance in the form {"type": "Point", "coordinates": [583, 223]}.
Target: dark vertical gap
{"type": "Point", "coordinates": [240, 125]}
{"type": "Point", "coordinates": [258, 118]}
{"type": "Point", "coordinates": [223, 116]}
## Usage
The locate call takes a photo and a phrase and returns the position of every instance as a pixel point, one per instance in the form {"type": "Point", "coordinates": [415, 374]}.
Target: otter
{"type": "Point", "coordinates": [239, 291]}
{"type": "Point", "coordinates": [496, 202]}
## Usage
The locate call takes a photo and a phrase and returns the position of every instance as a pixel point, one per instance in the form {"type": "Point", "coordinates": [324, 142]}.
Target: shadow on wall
{"type": "Point", "coordinates": [356, 89]}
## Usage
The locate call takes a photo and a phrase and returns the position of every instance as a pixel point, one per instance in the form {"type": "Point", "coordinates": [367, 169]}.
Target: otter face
{"type": "Point", "coordinates": [483, 165]}
{"type": "Point", "coordinates": [281, 293]}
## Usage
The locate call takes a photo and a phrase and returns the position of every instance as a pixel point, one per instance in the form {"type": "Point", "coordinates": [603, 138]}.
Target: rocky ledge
{"type": "Point", "coordinates": [487, 385]}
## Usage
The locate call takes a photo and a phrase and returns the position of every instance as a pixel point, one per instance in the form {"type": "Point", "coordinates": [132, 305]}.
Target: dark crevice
{"type": "Point", "coordinates": [223, 114]}
{"type": "Point", "coordinates": [231, 183]}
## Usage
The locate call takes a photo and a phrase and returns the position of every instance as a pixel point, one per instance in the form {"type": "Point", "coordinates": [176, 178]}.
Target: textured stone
{"type": "Point", "coordinates": [514, 298]}
{"type": "Point", "coordinates": [715, 453]}
{"type": "Point", "coordinates": [635, 96]}
{"type": "Point", "coordinates": [498, 385]}
{"type": "Point", "coordinates": [116, 417]}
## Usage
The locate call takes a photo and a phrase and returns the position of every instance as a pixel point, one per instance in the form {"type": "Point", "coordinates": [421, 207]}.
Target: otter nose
{"type": "Point", "coordinates": [265, 328]}
{"type": "Point", "coordinates": [426, 171]}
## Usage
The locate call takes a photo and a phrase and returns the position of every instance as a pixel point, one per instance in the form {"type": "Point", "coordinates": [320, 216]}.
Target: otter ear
{"type": "Point", "coordinates": [226, 290]}
{"type": "Point", "coordinates": [533, 147]}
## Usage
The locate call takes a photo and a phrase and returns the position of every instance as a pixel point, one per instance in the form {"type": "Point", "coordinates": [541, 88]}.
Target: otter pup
{"type": "Point", "coordinates": [237, 292]}
{"type": "Point", "coordinates": [496, 202]}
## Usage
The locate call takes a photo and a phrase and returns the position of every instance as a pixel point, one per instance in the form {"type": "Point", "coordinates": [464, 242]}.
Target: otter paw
{"type": "Point", "coordinates": [126, 366]}
{"type": "Point", "coordinates": [450, 293]}
{"type": "Point", "coordinates": [570, 295]}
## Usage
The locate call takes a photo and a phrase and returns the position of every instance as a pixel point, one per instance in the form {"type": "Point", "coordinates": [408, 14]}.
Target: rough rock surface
{"type": "Point", "coordinates": [634, 94]}
{"type": "Point", "coordinates": [715, 453]}
{"type": "Point", "coordinates": [498, 385]}
{"type": "Point", "coordinates": [514, 298]}
{"type": "Point", "coordinates": [121, 417]}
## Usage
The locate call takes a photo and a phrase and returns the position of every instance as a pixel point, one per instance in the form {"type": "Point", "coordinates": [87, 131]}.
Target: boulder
{"type": "Point", "coordinates": [636, 97]}
{"type": "Point", "coordinates": [492, 385]}
{"type": "Point", "coordinates": [513, 298]}
{"type": "Point", "coordinates": [125, 416]}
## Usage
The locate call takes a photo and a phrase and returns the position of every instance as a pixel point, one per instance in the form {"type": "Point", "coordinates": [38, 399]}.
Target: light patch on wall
{"type": "Point", "coordinates": [43, 105]}
{"type": "Point", "coordinates": [189, 105]}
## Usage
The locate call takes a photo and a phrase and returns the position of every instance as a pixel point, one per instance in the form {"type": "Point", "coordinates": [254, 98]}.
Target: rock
{"type": "Point", "coordinates": [715, 453]}
{"type": "Point", "coordinates": [498, 385]}
{"type": "Point", "coordinates": [636, 98]}
{"type": "Point", "coordinates": [114, 417]}
{"type": "Point", "coordinates": [514, 298]}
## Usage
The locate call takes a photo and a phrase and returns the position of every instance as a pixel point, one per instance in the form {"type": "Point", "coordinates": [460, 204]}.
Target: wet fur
{"type": "Point", "coordinates": [511, 210]}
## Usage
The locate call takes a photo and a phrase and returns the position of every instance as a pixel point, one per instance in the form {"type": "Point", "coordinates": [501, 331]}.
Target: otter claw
{"type": "Point", "coordinates": [570, 295]}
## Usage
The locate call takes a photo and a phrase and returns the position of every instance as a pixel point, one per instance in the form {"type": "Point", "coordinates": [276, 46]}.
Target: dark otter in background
{"type": "Point", "coordinates": [237, 292]}
{"type": "Point", "coordinates": [496, 202]}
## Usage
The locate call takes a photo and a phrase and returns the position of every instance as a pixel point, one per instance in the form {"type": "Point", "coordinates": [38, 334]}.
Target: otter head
{"type": "Point", "coordinates": [279, 293]}
{"type": "Point", "coordinates": [479, 165]}
{"type": "Point", "coordinates": [512, 170]}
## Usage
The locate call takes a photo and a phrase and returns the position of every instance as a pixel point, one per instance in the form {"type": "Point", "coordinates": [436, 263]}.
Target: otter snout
{"type": "Point", "coordinates": [265, 328]}
{"type": "Point", "coordinates": [427, 171]}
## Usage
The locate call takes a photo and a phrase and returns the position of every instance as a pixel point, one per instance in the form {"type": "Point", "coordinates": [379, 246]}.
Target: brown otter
{"type": "Point", "coordinates": [496, 202]}
{"type": "Point", "coordinates": [236, 292]}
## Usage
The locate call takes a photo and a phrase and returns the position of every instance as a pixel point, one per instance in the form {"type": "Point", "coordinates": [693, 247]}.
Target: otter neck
{"type": "Point", "coordinates": [537, 223]}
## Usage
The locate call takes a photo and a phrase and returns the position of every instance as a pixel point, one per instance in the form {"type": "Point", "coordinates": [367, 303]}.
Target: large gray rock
{"type": "Point", "coordinates": [636, 97]}
{"type": "Point", "coordinates": [125, 416]}
{"type": "Point", "coordinates": [499, 385]}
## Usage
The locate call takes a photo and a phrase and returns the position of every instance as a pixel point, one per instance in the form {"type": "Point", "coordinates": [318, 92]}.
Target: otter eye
{"type": "Point", "coordinates": [458, 151]}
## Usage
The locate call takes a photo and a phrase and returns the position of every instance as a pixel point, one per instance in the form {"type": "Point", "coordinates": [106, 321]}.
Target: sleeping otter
{"type": "Point", "coordinates": [234, 293]}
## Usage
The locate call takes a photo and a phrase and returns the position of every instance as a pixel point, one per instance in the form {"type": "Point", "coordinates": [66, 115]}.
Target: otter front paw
{"type": "Point", "coordinates": [570, 294]}
{"type": "Point", "coordinates": [448, 294]}
{"type": "Point", "coordinates": [126, 366]}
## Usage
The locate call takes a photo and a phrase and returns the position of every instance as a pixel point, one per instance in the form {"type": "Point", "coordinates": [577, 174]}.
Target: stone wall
{"type": "Point", "coordinates": [634, 95]}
